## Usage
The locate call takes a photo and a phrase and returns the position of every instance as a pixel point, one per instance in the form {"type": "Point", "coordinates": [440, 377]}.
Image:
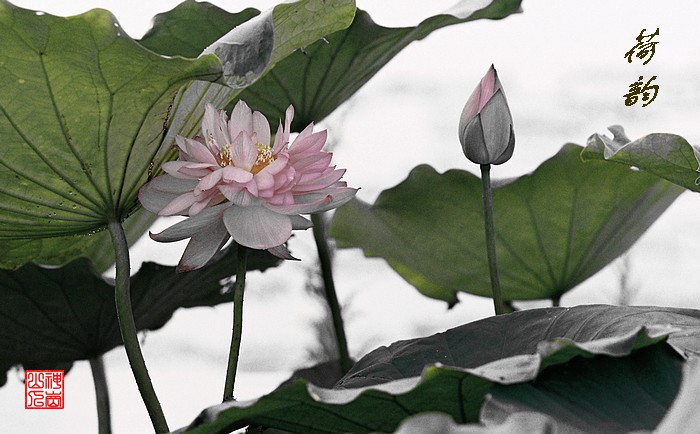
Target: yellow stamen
{"type": "Point", "coordinates": [225, 158]}
{"type": "Point", "coordinates": [265, 157]}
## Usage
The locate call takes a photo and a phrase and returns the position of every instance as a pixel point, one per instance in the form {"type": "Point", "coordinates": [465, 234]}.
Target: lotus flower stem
{"type": "Point", "coordinates": [238, 289]}
{"type": "Point", "coordinates": [127, 326]}
{"type": "Point", "coordinates": [491, 237]}
{"type": "Point", "coordinates": [104, 422]}
{"type": "Point", "coordinates": [324, 255]}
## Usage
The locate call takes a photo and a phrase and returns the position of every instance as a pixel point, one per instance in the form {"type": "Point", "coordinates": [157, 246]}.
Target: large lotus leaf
{"type": "Point", "coordinates": [51, 317]}
{"type": "Point", "coordinates": [82, 108]}
{"type": "Point", "coordinates": [327, 73]}
{"type": "Point", "coordinates": [668, 156]}
{"type": "Point", "coordinates": [100, 105]}
{"type": "Point", "coordinates": [459, 392]}
{"type": "Point", "coordinates": [554, 228]}
{"type": "Point", "coordinates": [494, 338]}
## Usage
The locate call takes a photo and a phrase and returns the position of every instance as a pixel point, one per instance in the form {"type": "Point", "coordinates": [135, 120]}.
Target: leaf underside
{"type": "Point", "coordinates": [82, 110]}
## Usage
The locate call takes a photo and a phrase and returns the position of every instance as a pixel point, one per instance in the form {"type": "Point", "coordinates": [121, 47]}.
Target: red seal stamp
{"type": "Point", "coordinates": [43, 389]}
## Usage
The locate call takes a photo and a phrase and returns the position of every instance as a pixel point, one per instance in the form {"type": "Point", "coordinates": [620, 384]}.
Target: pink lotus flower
{"type": "Point", "coordinates": [235, 183]}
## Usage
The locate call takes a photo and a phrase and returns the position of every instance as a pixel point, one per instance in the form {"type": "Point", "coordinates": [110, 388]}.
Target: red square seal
{"type": "Point", "coordinates": [43, 390]}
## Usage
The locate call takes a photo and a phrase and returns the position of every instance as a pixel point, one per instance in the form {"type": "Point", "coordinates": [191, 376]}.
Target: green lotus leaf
{"type": "Point", "coordinates": [57, 251]}
{"type": "Point", "coordinates": [668, 156]}
{"type": "Point", "coordinates": [554, 228]}
{"type": "Point", "coordinates": [82, 109]}
{"type": "Point", "coordinates": [523, 332]}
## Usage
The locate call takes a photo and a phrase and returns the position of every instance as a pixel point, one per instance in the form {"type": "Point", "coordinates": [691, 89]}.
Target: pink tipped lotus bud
{"type": "Point", "coordinates": [486, 126]}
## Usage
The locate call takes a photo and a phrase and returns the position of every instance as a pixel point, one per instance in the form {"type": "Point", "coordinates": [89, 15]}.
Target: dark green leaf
{"type": "Point", "coordinates": [460, 391]}
{"type": "Point", "coordinates": [324, 374]}
{"type": "Point", "coordinates": [190, 27]}
{"type": "Point", "coordinates": [50, 317]}
{"type": "Point", "coordinates": [598, 395]}
{"type": "Point", "coordinates": [555, 227]}
{"type": "Point", "coordinates": [329, 72]}
{"type": "Point", "coordinates": [665, 155]}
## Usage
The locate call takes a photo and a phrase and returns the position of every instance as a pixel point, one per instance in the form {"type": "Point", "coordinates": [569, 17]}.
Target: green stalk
{"type": "Point", "coordinates": [324, 255]}
{"type": "Point", "coordinates": [104, 422]}
{"type": "Point", "coordinates": [122, 297]}
{"type": "Point", "coordinates": [491, 238]}
{"type": "Point", "coordinates": [238, 288]}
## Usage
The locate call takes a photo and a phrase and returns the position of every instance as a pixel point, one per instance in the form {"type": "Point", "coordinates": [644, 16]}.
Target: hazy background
{"type": "Point", "coordinates": [563, 70]}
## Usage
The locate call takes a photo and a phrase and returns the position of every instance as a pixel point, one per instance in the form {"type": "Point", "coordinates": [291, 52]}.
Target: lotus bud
{"type": "Point", "coordinates": [486, 126]}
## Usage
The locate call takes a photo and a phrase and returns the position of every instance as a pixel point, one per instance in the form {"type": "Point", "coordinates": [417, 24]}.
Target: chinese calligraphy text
{"type": "Point", "coordinates": [636, 89]}
{"type": "Point", "coordinates": [644, 49]}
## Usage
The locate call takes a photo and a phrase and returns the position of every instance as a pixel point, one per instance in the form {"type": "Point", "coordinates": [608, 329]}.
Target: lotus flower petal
{"type": "Point", "coordinates": [190, 226]}
{"type": "Point", "coordinates": [282, 253]}
{"type": "Point", "coordinates": [203, 246]}
{"type": "Point", "coordinates": [243, 151]}
{"type": "Point", "coordinates": [257, 227]}
{"type": "Point", "coordinates": [162, 190]}
{"type": "Point", "coordinates": [195, 150]}
{"type": "Point", "coordinates": [179, 204]}
{"type": "Point", "coordinates": [261, 128]}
